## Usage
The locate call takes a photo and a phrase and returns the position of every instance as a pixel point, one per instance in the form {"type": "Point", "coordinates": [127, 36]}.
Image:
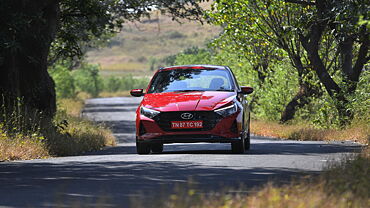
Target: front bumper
{"type": "Point", "coordinates": [225, 130]}
{"type": "Point", "coordinates": [168, 139]}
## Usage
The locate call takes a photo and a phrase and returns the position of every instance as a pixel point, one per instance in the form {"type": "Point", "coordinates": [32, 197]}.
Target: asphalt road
{"type": "Point", "coordinates": [116, 177]}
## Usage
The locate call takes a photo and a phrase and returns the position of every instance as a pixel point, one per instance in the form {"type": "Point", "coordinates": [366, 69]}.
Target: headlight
{"type": "Point", "coordinates": [148, 112]}
{"type": "Point", "coordinates": [227, 111]}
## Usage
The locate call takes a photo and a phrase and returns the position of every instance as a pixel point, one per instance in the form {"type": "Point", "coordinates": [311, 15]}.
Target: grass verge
{"type": "Point", "coordinates": [71, 135]}
{"type": "Point", "coordinates": [115, 94]}
{"type": "Point", "coordinates": [21, 147]}
{"type": "Point", "coordinates": [359, 132]}
{"type": "Point", "coordinates": [76, 134]}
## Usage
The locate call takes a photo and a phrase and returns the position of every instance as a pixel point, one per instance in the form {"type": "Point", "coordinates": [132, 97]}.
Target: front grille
{"type": "Point", "coordinates": [209, 118]}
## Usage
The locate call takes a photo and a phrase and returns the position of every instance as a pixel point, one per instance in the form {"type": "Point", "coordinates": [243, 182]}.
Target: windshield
{"type": "Point", "coordinates": [191, 80]}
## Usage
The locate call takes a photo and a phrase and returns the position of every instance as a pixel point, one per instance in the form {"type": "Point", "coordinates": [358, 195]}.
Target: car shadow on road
{"type": "Point", "coordinates": [268, 148]}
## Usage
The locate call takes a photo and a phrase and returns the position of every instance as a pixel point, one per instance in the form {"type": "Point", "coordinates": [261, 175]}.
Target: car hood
{"type": "Point", "coordinates": [187, 101]}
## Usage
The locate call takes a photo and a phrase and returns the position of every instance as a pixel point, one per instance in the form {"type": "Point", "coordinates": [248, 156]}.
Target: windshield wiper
{"type": "Point", "coordinates": [224, 90]}
{"type": "Point", "coordinates": [188, 90]}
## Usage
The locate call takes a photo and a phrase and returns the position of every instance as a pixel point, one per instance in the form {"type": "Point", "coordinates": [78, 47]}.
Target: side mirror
{"type": "Point", "coordinates": [246, 90]}
{"type": "Point", "coordinates": [137, 92]}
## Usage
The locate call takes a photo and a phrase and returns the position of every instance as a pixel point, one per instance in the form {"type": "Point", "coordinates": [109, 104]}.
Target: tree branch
{"type": "Point", "coordinates": [362, 59]}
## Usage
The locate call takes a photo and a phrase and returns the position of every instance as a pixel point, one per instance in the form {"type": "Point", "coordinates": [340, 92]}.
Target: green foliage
{"type": "Point", "coordinates": [152, 63]}
{"type": "Point", "coordinates": [325, 37]}
{"type": "Point", "coordinates": [322, 111]}
{"type": "Point", "coordinates": [275, 93]}
{"type": "Point", "coordinates": [360, 100]}
{"type": "Point", "coordinates": [87, 79]}
{"type": "Point", "coordinates": [116, 84]}
{"type": "Point", "coordinates": [64, 81]}
{"type": "Point", "coordinates": [193, 55]}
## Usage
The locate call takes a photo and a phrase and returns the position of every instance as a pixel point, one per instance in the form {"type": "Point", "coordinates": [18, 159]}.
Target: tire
{"type": "Point", "coordinates": [157, 148]}
{"type": "Point", "coordinates": [247, 139]}
{"type": "Point", "coordinates": [142, 148]}
{"type": "Point", "coordinates": [238, 147]}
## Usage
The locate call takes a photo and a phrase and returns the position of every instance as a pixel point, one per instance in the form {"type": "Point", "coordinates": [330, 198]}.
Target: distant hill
{"type": "Point", "coordinates": [141, 45]}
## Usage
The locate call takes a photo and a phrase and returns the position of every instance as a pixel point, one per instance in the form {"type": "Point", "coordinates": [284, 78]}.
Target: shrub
{"type": "Point", "coordinates": [64, 81]}
{"type": "Point", "coordinates": [87, 79]}
{"type": "Point", "coordinates": [116, 84]}
{"type": "Point", "coordinates": [175, 35]}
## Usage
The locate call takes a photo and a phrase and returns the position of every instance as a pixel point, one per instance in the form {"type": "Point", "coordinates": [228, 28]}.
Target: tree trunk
{"type": "Point", "coordinates": [24, 79]}
{"type": "Point", "coordinates": [305, 92]}
{"type": "Point", "coordinates": [302, 98]}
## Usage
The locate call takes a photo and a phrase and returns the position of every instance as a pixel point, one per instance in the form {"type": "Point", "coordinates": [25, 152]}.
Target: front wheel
{"type": "Point", "coordinates": [142, 148]}
{"type": "Point", "coordinates": [237, 147]}
{"type": "Point", "coordinates": [157, 148]}
{"type": "Point", "coordinates": [247, 139]}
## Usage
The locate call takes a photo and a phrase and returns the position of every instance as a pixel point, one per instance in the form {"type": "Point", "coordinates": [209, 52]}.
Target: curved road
{"type": "Point", "coordinates": [116, 177]}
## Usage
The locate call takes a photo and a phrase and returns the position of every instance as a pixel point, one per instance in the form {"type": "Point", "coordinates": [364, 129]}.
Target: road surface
{"type": "Point", "coordinates": [116, 177]}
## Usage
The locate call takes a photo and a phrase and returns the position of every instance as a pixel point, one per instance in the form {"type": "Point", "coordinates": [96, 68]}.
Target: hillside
{"type": "Point", "coordinates": [141, 45]}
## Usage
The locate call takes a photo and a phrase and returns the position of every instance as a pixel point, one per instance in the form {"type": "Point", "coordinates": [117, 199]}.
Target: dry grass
{"type": "Point", "coordinates": [21, 147]}
{"type": "Point", "coordinates": [131, 50]}
{"type": "Point", "coordinates": [72, 107]}
{"type": "Point", "coordinates": [78, 136]}
{"type": "Point", "coordinates": [115, 94]}
{"type": "Point", "coordinates": [127, 67]}
{"type": "Point", "coordinates": [72, 136]}
{"type": "Point", "coordinates": [358, 132]}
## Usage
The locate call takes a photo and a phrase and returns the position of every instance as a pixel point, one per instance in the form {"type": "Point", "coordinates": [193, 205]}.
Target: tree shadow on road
{"type": "Point", "coordinates": [43, 184]}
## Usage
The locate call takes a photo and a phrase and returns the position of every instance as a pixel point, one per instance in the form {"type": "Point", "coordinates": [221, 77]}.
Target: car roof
{"type": "Point", "coordinates": [193, 67]}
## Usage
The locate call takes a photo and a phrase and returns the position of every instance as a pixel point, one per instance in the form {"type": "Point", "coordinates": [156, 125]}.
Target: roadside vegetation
{"type": "Point", "coordinates": [69, 135]}
{"type": "Point", "coordinates": [359, 132]}
{"type": "Point", "coordinates": [86, 80]}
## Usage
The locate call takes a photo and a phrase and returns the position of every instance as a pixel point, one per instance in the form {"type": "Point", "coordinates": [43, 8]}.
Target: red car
{"type": "Point", "coordinates": [195, 103]}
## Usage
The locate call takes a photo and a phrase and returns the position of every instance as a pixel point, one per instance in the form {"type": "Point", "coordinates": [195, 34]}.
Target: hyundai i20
{"type": "Point", "coordinates": [195, 103]}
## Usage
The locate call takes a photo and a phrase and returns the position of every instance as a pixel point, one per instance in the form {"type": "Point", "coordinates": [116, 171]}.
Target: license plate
{"type": "Point", "coordinates": [186, 124]}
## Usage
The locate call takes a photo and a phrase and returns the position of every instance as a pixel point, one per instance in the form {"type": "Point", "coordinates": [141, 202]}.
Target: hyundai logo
{"type": "Point", "coordinates": [187, 116]}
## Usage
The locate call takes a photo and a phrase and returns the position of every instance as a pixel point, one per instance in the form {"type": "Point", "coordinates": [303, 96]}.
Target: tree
{"type": "Point", "coordinates": [338, 18]}
{"type": "Point", "coordinates": [261, 31]}
{"type": "Point", "coordinates": [33, 32]}
{"type": "Point", "coordinates": [320, 37]}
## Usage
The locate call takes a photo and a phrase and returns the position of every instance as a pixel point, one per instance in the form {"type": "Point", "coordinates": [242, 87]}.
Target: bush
{"type": "Point", "coordinates": [116, 84]}
{"type": "Point", "coordinates": [175, 35]}
{"type": "Point", "coordinates": [87, 79]}
{"type": "Point", "coordinates": [64, 81]}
